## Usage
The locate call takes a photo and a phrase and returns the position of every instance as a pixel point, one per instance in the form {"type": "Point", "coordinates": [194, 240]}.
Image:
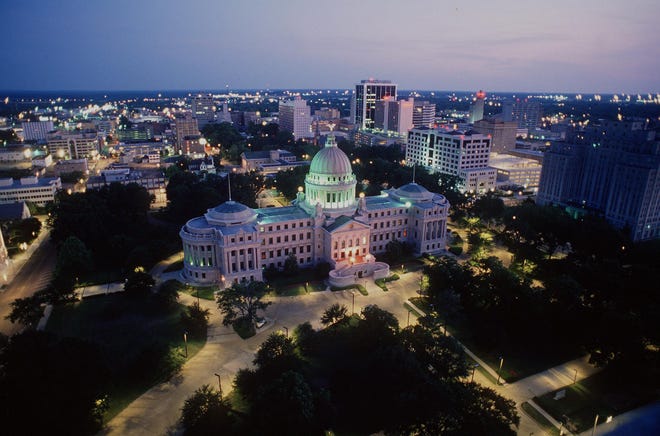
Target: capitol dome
{"type": "Point", "coordinates": [330, 182]}
{"type": "Point", "coordinates": [230, 213]}
{"type": "Point", "coordinates": [331, 160]}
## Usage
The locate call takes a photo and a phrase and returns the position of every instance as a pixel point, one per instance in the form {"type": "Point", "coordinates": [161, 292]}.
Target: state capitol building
{"type": "Point", "coordinates": [325, 223]}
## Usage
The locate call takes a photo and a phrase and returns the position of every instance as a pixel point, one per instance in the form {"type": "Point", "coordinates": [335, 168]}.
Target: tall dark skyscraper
{"type": "Point", "coordinates": [612, 168]}
{"type": "Point", "coordinates": [527, 113]}
{"type": "Point", "coordinates": [367, 93]}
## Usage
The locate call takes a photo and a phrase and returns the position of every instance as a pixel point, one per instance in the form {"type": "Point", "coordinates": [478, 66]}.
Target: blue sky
{"type": "Point", "coordinates": [495, 45]}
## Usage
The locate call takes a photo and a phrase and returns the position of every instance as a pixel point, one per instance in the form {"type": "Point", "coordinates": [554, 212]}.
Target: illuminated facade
{"type": "Point", "coordinates": [295, 117]}
{"type": "Point", "coordinates": [326, 223]}
{"type": "Point", "coordinates": [367, 94]}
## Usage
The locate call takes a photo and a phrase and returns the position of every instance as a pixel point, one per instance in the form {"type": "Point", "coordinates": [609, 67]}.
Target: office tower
{"type": "Point", "coordinates": [73, 145]}
{"type": "Point", "coordinates": [612, 168]}
{"type": "Point", "coordinates": [202, 109]}
{"type": "Point", "coordinates": [423, 114]}
{"type": "Point", "coordinates": [295, 117]}
{"type": "Point", "coordinates": [225, 115]}
{"type": "Point", "coordinates": [394, 116]}
{"type": "Point", "coordinates": [527, 113]}
{"type": "Point", "coordinates": [36, 130]}
{"type": "Point", "coordinates": [367, 93]}
{"type": "Point", "coordinates": [465, 154]}
{"type": "Point", "coordinates": [502, 133]}
{"type": "Point", "coordinates": [477, 107]}
{"type": "Point", "coordinates": [185, 126]}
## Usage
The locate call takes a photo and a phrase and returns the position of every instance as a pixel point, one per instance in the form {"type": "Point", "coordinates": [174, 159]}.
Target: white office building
{"type": "Point", "coordinates": [295, 117]}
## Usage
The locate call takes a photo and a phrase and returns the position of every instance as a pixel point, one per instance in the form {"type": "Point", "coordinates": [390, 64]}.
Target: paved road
{"type": "Point", "coordinates": [33, 276]}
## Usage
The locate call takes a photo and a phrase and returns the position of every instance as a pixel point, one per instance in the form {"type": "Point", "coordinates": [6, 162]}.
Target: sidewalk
{"type": "Point", "coordinates": [20, 259]}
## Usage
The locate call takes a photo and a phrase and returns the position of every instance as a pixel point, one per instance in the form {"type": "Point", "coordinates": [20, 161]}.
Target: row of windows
{"type": "Point", "coordinates": [386, 224]}
{"type": "Point", "coordinates": [278, 239]}
{"type": "Point", "coordinates": [278, 227]}
{"type": "Point", "coordinates": [278, 253]}
{"type": "Point", "coordinates": [382, 213]}
{"type": "Point", "coordinates": [350, 253]}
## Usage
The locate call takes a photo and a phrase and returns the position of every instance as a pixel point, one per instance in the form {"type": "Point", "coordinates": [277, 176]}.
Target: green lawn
{"type": "Point", "coordinates": [541, 420]}
{"type": "Point", "coordinates": [141, 342]}
{"type": "Point", "coordinates": [299, 288]}
{"type": "Point", "coordinates": [605, 393]}
{"type": "Point", "coordinates": [204, 292]}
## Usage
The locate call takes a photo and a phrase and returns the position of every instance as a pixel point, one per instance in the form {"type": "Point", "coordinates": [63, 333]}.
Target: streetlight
{"type": "Point", "coordinates": [185, 342]}
{"type": "Point", "coordinates": [409, 317]}
{"type": "Point", "coordinates": [286, 331]}
{"type": "Point", "coordinates": [474, 368]}
{"type": "Point", "coordinates": [219, 384]}
{"type": "Point", "coordinates": [499, 372]}
{"type": "Point", "coordinates": [575, 376]}
{"type": "Point", "coordinates": [353, 294]}
{"type": "Point", "coordinates": [593, 432]}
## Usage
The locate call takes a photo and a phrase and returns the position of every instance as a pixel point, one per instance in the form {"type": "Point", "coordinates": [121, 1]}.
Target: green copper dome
{"type": "Point", "coordinates": [331, 160]}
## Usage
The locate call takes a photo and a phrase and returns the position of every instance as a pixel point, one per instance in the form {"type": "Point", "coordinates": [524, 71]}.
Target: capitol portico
{"type": "Point", "coordinates": [325, 223]}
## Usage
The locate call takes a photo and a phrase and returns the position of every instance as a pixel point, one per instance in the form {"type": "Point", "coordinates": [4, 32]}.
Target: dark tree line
{"type": "Point", "coordinates": [361, 374]}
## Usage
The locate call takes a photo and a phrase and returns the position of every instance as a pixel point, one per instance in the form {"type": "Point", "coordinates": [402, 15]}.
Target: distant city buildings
{"type": "Point", "coordinates": [152, 180]}
{"type": "Point", "coordinates": [73, 145]}
{"type": "Point", "coordinates": [185, 126]}
{"type": "Point", "coordinates": [394, 116]}
{"type": "Point", "coordinates": [367, 94]}
{"type": "Point", "coordinates": [327, 113]}
{"type": "Point", "coordinates": [502, 133]}
{"type": "Point", "coordinates": [423, 114]}
{"type": "Point", "coordinates": [36, 130]}
{"type": "Point", "coordinates": [33, 189]}
{"type": "Point", "coordinates": [202, 109]}
{"type": "Point", "coordinates": [515, 171]}
{"type": "Point", "coordinates": [527, 113]}
{"type": "Point", "coordinates": [269, 161]}
{"type": "Point", "coordinates": [612, 167]}
{"type": "Point", "coordinates": [477, 107]}
{"type": "Point", "coordinates": [461, 153]}
{"type": "Point", "coordinates": [294, 116]}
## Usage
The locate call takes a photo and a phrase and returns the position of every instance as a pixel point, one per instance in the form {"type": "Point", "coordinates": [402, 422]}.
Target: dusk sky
{"type": "Point", "coordinates": [495, 45]}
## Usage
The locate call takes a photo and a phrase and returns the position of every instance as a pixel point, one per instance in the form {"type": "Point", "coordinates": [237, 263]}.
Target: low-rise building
{"type": "Point", "coordinates": [514, 170]}
{"type": "Point", "coordinates": [36, 190]}
{"type": "Point", "coordinates": [269, 162]}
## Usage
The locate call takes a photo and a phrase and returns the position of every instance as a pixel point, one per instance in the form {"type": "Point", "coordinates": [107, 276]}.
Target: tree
{"type": "Point", "coordinates": [205, 412]}
{"type": "Point", "coordinates": [242, 301]}
{"type": "Point", "coordinates": [66, 384]}
{"type": "Point", "coordinates": [291, 265]}
{"type": "Point", "coordinates": [441, 354]}
{"type": "Point", "coordinates": [27, 311]}
{"type": "Point", "coordinates": [195, 320]}
{"type": "Point", "coordinates": [333, 314]}
{"type": "Point", "coordinates": [168, 293]}
{"type": "Point", "coordinates": [278, 350]}
{"type": "Point", "coordinates": [139, 282]}
{"type": "Point", "coordinates": [73, 258]}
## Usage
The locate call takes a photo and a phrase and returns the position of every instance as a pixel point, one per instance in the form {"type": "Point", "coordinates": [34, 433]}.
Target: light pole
{"type": "Point", "coordinates": [286, 331]}
{"type": "Point", "coordinates": [593, 432]}
{"type": "Point", "coordinates": [474, 368]}
{"type": "Point", "coordinates": [499, 372]}
{"type": "Point", "coordinates": [353, 294]}
{"type": "Point", "coordinates": [219, 384]}
{"type": "Point", "coordinates": [185, 343]}
{"type": "Point", "coordinates": [408, 317]}
{"type": "Point", "coordinates": [575, 376]}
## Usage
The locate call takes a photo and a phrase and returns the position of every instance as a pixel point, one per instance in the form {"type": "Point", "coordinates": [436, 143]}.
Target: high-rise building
{"type": "Point", "coordinates": [477, 107]}
{"type": "Point", "coordinates": [185, 126]}
{"type": "Point", "coordinates": [423, 114]}
{"type": "Point", "coordinates": [612, 168]}
{"type": "Point", "coordinates": [36, 130]}
{"type": "Point", "coordinates": [394, 116]}
{"type": "Point", "coordinates": [73, 145]}
{"type": "Point", "coordinates": [225, 115]}
{"type": "Point", "coordinates": [202, 109]}
{"type": "Point", "coordinates": [295, 117]}
{"type": "Point", "coordinates": [502, 133]}
{"type": "Point", "coordinates": [527, 113]}
{"type": "Point", "coordinates": [465, 154]}
{"type": "Point", "coordinates": [367, 93]}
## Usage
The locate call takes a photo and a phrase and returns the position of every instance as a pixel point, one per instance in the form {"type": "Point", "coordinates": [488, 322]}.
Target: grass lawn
{"type": "Point", "coordinates": [99, 277]}
{"type": "Point", "coordinates": [141, 343]}
{"type": "Point", "coordinates": [204, 292]}
{"type": "Point", "coordinates": [541, 420]}
{"type": "Point", "coordinates": [299, 288]}
{"type": "Point", "coordinates": [605, 393]}
{"type": "Point", "coordinates": [359, 287]}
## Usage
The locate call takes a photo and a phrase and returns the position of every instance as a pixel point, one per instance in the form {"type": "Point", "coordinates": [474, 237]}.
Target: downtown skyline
{"type": "Point", "coordinates": [567, 47]}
